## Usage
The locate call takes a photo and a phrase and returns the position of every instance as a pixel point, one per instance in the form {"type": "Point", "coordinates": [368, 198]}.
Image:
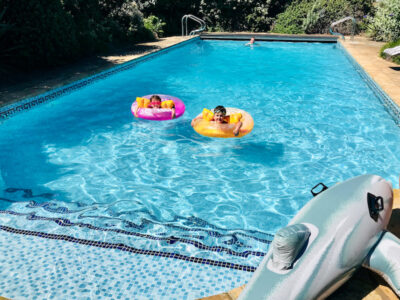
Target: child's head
{"type": "Point", "coordinates": [155, 101]}
{"type": "Point", "coordinates": [252, 40]}
{"type": "Point", "coordinates": [219, 114]}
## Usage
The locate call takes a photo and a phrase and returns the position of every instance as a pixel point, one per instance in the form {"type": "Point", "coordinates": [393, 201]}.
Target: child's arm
{"type": "Point", "coordinates": [173, 113]}
{"type": "Point", "coordinates": [136, 110]}
{"type": "Point", "coordinates": [237, 128]}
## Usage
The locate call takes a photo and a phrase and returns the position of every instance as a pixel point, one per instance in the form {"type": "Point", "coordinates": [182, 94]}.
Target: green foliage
{"type": "Point", "coordinates": [5, 51]}
{"type": "Point", "coordinates": [51, 32]}
{"type": "Point", "coordinates": [239, 15]}
{"type": "Point", "coordinates": [101, 23]}
{"type": "Point", "coordinates": [170, 12]}
{"type": "Point", "coordinates": [42, 32]}
{"type": "Point", "coordinates": [395, 59]}
{"type": "Point", "coordinates": [309, 16]}
{"type": "Point", "coordinates": [385, 25]}
{"type": "Point", "coordinates": [220, 15]}
{"type": "Point", "coordinates": [291, 21]}
{"type": "Point", "coordinates": [155, 25]}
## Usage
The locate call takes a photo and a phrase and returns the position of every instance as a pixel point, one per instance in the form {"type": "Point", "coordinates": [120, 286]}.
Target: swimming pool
{"type": "Point", "coordinates": [81, 169]}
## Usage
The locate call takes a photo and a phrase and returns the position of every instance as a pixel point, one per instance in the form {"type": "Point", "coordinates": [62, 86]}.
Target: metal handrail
{"type": "Point", "coordinates": [194, 18]}
{"type": "Point", "coordinates": [341, 21]}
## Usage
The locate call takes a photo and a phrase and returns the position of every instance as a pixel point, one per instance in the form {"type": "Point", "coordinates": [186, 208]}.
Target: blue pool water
{"type": "Point", "coordinates": [160, 186]}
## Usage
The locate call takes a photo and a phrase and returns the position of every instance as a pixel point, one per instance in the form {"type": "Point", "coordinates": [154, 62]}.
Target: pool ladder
{"type": "Point", "coordinates": [196, 19]}
{"type": "Point", "coordinates": [341, 21]}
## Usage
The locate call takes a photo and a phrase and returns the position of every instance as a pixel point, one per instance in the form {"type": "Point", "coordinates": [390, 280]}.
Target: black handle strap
{"type": "Point", "coordinates": [323, 188]}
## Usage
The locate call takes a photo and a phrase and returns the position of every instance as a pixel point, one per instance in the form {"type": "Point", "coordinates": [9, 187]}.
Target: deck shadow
{"type": "Point", "coordinates": [19, 84]}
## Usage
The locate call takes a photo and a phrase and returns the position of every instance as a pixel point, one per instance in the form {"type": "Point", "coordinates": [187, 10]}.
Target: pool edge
{"type": "Point", "coordinates": [390, 105]}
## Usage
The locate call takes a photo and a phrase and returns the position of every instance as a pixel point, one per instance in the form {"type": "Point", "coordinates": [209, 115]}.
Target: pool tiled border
{"type": "Point", "coordinates": [127, 248]}
{"type": "Point", "coordinates": [12, 109]}
{"type": "Point", "coordinates": [388, 103]}
{"type": "Point", "coordinates": [170, 240]}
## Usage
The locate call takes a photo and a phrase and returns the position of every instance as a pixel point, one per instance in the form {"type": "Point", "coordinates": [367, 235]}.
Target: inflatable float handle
{"type": "Point", "coordinates": [375, 205]}
{"type": "Point", "coordinates": [323, 188]}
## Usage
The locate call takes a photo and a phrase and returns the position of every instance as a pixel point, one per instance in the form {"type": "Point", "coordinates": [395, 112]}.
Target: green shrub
{"type": "Point", "coordinates": [385, 25]}
{"type": "Point", "coordinates": [220, 15]}
{"type": "Point", "coordinates": [52, 32]}
{"type": "Point", "coordinates": [170, 12]}
{"type": "Point", "coordinates": [395, 59]}
{"type": "Point", "coordinates": [291, 21]}
{"type": "Point", "coordinates": [129, 21]}
{"type": "Point", "coordinates": [6, 51]}
{"type": "Point", "coordinates": [155, 25]}
{"type": "Point", "coordinates": [43, 33]}
{"type": "Point", "coordinates": [101, 23]}
{"type": "Point", "coordinates": [239, 15]}
{"type": "Point", "coordinates": [308, 16]}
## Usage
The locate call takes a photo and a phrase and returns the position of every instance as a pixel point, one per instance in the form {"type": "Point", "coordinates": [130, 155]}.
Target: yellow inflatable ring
{"type": "Point", "coordinates": [212, 129]}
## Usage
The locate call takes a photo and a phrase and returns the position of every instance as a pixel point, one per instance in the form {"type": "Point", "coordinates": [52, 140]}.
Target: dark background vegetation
{"type": "Point", "coordinates": [44, 33]}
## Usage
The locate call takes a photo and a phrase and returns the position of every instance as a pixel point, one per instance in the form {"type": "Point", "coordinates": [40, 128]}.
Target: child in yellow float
{"type": "Point", "coordinates": [155, 102]}
{"type": "Point", "coordinates": [220, 117]}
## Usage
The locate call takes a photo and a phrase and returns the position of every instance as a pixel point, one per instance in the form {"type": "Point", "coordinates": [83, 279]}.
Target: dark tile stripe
{"type": "Point", "coordinates": [130, 249]}
{"type": "Point", "coordinates": [170, 240]}
{"type": "Point", "coordinates": [191, 221]}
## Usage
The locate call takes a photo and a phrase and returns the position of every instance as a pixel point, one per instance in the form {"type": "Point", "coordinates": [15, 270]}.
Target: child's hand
{"type": "Point", "coordinates": [237, 128]}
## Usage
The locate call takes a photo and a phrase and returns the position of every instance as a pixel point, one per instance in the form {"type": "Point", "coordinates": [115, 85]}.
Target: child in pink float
{"type": "Point", "coordinates": [155, 102]}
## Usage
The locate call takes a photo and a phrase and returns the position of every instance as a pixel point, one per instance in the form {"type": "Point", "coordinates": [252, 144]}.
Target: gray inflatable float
{"type": "Point", "coordinates": [336, 232]}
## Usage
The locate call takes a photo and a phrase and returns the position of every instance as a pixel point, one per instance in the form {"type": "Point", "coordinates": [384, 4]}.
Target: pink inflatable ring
{"type": "Point", "coordinates": [159, 114]}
